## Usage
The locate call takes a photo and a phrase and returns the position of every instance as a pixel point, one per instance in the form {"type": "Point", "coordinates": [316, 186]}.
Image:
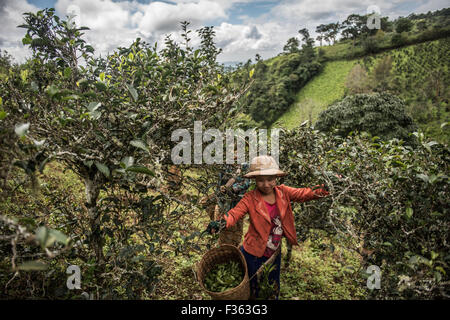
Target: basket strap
{"type": "Point", "coordinates": [269, 261]}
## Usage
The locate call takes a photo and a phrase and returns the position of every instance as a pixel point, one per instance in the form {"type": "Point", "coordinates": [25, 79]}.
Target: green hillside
{"type": "Point", "coordinates": [319, 93]}
{"type": "Point", "coordinates": [407, 57]}
{"type": "Point", "coordinates": [276, 83]}
{"type": "Point", "coordinates": [416, 73]}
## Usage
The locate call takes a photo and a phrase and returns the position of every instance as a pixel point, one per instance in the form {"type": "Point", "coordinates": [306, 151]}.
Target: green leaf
{"type": "Point", "coordinates": [141, 169]}
{"type": "Point", "coordinates": [47, 237]}
{"type": "Point", "coordinates": [409, 213]}
{"type": "Point", "coordinates": [430, 144]}
{"type": "Point", "coordinates": [89, 49]}
{"type": "Point", "coordinates": [433, 178]}
{"type": "Point", "coordinates": [251, 73]}
{"type": "Point", "coordinates": [424, 177]}
{"type": "Point", "coordinates": [100, 86]}
{"type": "Point", "coordinates": [102, 76]}
{"type": "Point", "coordinates": [434, 255]}
{"type": "Point", "coordinates": [28, 222]}
{"type": "Point", "coordinates": [58, 236]}
{"type": "Point", "coordinates": [37, 42]}
{"type": "Point", "coordinates": [437, 276]}
{"type": "Point", "coordinates": [3, 115]}
{"type": "Point", "coordinates": [51, 90]}
{"type": "Point", "coordinates": [32, 266]}
{"type": "Point", "coordinates": [71, 97]}
{"type": "Point", "coordinates": [88, 163]}
{"type": "Point", "coordinates": [27, 39]}
{"type": "Point", "coordinates": [416, 259]}
{"type": "Point", "coordinates": [81, 81]}
{"type": "Point", "coordinates": [67, 72]}
{"type": "Point", "coordinates": [92, 106]}
{"type": "Point", "coordinates": [132, 91]}
{"type": "Point", "coordinates": [102, 168]}
{"type": "Point", "coordinates": [95, 115]}
{"type": "Point", "coordinates": [42, 165]}
{"type": "Point", "coordinates": [24, 75]}
{"type": "Point", "coordinates": [127, 162]}
{"type": "Point", "coordinates": [436, 214]}
{"type": "Point", "coordinates": [441, 270]}
{"type": "Point", "coordinates": [42, 237]}
{"type": "Point", "coordinates": [139, 144]}
{"type": "Point", "coordinates": [34, 86]}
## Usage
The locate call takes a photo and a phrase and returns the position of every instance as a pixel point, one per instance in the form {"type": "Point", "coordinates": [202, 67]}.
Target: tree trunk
{"type": "Point", "coordinates": [92, 187]}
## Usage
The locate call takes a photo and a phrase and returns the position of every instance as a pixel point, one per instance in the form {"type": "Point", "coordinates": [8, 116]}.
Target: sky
{"type": "Point", "coordinates": [243, 27]}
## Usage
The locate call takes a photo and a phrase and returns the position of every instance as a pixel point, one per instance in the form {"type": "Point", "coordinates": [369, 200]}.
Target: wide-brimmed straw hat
{"type": "Point", "coordinates": [264, 166]}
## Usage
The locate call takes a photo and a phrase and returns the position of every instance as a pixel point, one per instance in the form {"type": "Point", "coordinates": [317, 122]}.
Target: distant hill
{"type": "Point", "coordinates": [418, 74]}
{"type": "Point", "coordinates": [415, 59]}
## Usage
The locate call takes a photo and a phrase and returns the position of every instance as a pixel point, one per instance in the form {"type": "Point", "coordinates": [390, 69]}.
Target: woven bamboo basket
{"type": "Point", "coordinates": [222, 254]}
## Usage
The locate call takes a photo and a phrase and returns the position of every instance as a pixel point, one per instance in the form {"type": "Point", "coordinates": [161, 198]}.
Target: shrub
{"type": "Point", "coordinates": [403, 25]}
{"type": "Point", "coordinates": [381, 114]}
{"type": "Point", "coordinates": [357, 80]}
{"type": "Point", "coordinates": [107, 120]}
{"type": "Point", "coordinates": [370, 45]}
{"type": "Point", "coordinates": [390, 204]}
{"type": "Point", "coordinates": [274, 87]}
{"type": "Point", "coordinates": [398, 40]}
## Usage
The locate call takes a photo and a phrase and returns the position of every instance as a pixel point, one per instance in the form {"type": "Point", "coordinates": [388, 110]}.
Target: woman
{"type": "Point", "coordinates": [271, 217]}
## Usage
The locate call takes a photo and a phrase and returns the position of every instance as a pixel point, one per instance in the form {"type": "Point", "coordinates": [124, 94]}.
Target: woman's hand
{"type": "Point", "coordinates": [325, 186]}
{"type": "Point", "coordinates": [215, 226]}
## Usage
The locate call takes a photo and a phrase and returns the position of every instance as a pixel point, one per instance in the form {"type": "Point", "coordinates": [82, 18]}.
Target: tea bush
{"type": "Point", "coordinates": [392, 201]}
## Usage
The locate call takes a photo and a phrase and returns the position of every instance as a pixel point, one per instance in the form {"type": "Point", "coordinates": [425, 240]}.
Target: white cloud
{"type": "Point", "coordinates": [109, 22]}
{"type": "Point", "coordinates": [98, 15]}
{"type": "Point", "coordinates": [239, 41]}
{"type": "Point", "coordinates": [285, 19]}
{"type": "Point", "coordinates": [115, 24]}
{"type": "Point", "coordinates": [118, 23]}
{"type": "Point", "coordinates": [431, 6]}
{"type": "Point", "coordinates": [11, 37]}
{"type": "Point", "coordinates": [159, 16]}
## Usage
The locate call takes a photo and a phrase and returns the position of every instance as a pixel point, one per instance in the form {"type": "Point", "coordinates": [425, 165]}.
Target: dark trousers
{"type": "Point", "coordinates": [253, 264]}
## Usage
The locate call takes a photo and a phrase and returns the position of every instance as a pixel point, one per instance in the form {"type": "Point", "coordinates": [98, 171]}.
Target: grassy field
{"type": "Point", "coordinates": [317, 95]}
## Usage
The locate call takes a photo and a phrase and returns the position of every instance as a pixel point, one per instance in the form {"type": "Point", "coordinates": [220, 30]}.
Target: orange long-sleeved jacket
{"type": "Point", "coordinates": [255, 239]}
